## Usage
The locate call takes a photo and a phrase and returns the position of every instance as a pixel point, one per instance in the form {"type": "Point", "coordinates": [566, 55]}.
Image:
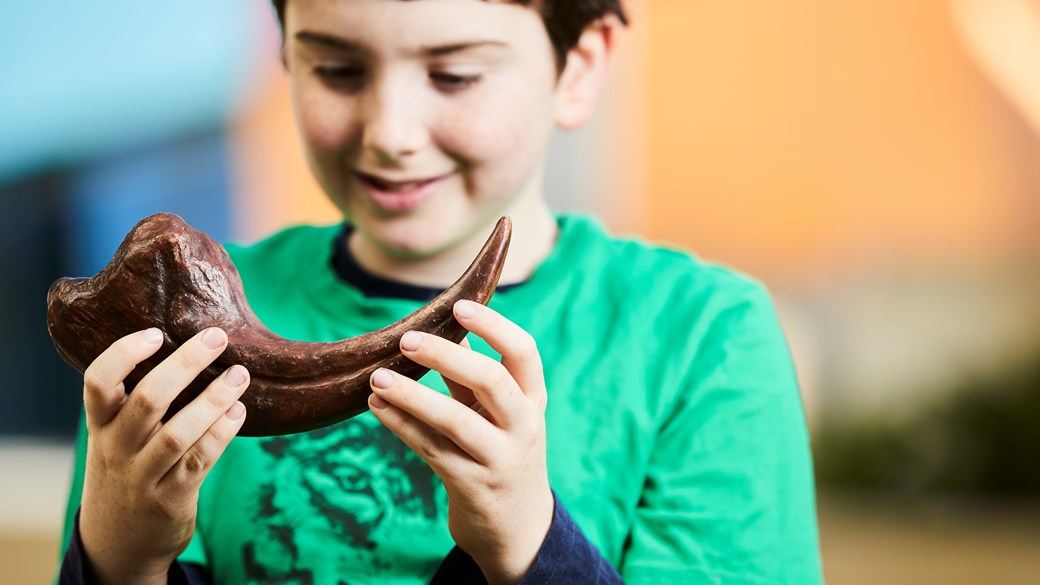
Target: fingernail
{"type": "Point", "coordinates": [465, 309]}
{"type": "Point", "coordinates": [236, 376]}
{"type": "Point", "coordinates": [382, 378]}
{"type": "Point", "coordinates": [411, 341]}
{"type": "Point", "coordinates": [213, 338]}
{"type": "Point", "coordinates": [152, 336]}
{"type": "Point", "coordinates": [236, 411]}
{"type": "Point", "coordinates": [377, 402]}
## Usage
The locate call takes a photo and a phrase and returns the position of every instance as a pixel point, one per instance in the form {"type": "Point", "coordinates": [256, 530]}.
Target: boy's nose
{"type": "Point", "coordinates": [393, 127]}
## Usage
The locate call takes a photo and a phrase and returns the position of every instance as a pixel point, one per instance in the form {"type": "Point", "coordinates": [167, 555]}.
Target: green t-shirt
{"type": "Point", "coordinates": [676, 435]}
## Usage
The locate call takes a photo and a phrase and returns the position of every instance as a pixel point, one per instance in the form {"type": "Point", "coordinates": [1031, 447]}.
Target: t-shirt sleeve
{"type": "Point", "coordinates": [729, 495]}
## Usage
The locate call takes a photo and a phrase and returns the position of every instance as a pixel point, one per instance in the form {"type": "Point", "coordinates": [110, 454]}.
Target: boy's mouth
{"type": "Point", "coordinates": [399, 195]}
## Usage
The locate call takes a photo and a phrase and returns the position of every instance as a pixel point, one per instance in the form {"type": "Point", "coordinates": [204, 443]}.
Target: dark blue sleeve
{"type": "Point", "coordinates": [74, 570]}
{"type": "Point", "coordinates": [566, 556]}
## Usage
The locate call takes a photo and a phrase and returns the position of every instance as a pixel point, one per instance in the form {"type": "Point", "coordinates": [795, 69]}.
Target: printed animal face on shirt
{"type": "Point", "coordinates": [423, 121]}
{"type": "Point", "coordinates": [341, 499]}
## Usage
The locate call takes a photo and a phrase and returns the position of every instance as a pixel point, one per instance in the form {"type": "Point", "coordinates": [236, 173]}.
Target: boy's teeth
{"type": "Point", "coordinates": [395, 186]}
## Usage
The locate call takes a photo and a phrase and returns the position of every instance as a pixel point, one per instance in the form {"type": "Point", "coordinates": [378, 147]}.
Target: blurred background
{"type": "Point", "coordinates": [876, 164]}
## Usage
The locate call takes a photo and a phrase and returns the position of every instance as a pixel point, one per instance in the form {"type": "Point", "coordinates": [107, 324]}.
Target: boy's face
{"type": "Point", "coordinates": [422, 120]}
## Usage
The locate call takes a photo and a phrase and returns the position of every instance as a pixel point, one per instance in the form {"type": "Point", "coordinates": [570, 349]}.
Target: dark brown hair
{"type": "Point", "coordinates": [564, 20]}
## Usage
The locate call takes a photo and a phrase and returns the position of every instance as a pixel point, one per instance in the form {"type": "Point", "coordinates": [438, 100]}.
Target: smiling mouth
{"type": "Point", "coordinates": [396, 186]}
{"type": "Point", "coordinates": [400, 196]}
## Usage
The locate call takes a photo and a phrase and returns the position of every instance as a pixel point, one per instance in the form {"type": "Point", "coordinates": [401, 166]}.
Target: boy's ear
{"type": "Point", "coordinates": [579, 86]}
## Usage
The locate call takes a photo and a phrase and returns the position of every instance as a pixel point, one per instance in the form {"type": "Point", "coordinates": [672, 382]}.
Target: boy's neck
{"type": "Point", "coordinates": [533, 238]}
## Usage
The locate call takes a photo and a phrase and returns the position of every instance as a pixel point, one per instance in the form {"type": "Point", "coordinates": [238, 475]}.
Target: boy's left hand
{"type": "Point", "coordinates": [486, 441]}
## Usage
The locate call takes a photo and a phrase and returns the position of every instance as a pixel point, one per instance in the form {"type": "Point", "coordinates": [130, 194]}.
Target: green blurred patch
{"type": "Point", "coordinates": [980, 438]}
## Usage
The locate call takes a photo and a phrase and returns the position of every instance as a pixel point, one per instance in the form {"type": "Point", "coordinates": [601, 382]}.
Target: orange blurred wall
{"type": "Point", "coordinates": [273, 188]}
{"type": "Point", "coordinates": [789, 137]}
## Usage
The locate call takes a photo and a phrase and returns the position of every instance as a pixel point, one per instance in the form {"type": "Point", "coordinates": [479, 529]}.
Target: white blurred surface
{"type": "Point", "coordinates": [35, 487]}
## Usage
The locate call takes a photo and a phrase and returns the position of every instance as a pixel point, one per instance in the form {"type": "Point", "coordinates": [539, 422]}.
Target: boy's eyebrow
{"type": "Point", "coordinates": [439, 50]}
{"type": "Point", "coordinates": [313, 38]}
{"type": "Point", "coordinates": [342, 44]}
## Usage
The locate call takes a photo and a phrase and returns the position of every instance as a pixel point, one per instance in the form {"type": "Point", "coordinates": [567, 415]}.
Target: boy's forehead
{"type": "Point", "coordinates": [446, 7]}
{"type": "Point", "coordinates": [409, 24]}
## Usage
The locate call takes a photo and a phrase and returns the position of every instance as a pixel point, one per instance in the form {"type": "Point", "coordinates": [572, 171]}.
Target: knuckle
{"type": "Point", "coordinates": [219, 434]}
{"type": "Point", "coordinates": [428, 448]}
{"type": "Point", "coordinates": [92, 379]}
{"type": "Point", "coordinates": [194, 462]}
{"type": "Point", "coordinates": [173, 443]}
{"type": "Point", "coordinates": [147, 402]}
{"type": "Point", "coordinates": [122, 352]}
{"type": "Point", "coordinates": [527, 347]}
{"type": "Point", "coordinates": [524, 351]}
{"type": "Point", "coordinates": [492, 479]}
{"type": "Point", "coordinates": [501, 381]}
{"type": "Point", "coordinates": [452, 428]}
{"type": "Point", "coordinates": [187, 359]}
{"type": "Point", "coordinates": [214, 400]}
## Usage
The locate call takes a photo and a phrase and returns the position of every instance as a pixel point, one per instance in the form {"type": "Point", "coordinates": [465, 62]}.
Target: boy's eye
{"type": "Point", "coordinates": [452, 82]}
{"type": "Point", "coordinates": [339, 74]}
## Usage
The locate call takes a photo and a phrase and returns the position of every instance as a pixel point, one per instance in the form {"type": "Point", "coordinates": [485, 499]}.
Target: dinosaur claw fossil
{"type": "Point", "coordinates": [166, 274]}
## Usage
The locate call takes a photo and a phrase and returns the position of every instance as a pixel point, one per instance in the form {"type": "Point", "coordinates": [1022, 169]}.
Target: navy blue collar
{"type": "Point", "coordinates": [349, 271]}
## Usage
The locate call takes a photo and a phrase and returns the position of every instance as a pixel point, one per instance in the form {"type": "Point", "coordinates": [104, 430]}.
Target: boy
{"type": "Point", "coordinates": [643, 422]}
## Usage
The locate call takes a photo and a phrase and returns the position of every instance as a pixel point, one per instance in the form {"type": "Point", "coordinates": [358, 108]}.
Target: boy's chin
{"type": "Point", "coordinates": [424, 233]}
{"type": "Point", "coordinates": [403, 239]}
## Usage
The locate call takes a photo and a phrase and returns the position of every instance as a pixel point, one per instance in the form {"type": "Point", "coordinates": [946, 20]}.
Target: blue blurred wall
{"type": "Point", "coordinates": [111, 110]}
{"type": "Point", "coordinates": [83, 80]}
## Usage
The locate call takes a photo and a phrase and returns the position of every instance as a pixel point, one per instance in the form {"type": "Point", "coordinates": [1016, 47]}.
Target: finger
{"type": "Point", "coordinates": [198, 460]}
{"type": "Point", "coordinates": [103, 389]}
{"type": "Point", "coordinates": [152, 397]}
{"type": "Point", "coordinates": [177, 435]}
{"type": "Point", "coordinates": [518, 349]}
{"type": "Point", "coordinates": [462, 394]}
{"type": "Point", "coordinates": [489, 381]}
{"type": "Point", "coordinates": [467, 430]}
{"type": "Point", "coordinates": [440, 453]}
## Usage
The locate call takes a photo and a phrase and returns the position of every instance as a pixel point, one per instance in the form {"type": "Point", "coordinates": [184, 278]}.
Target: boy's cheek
{"type": "Point", "coordinates": [323, 122]}
{"type": "Point", "coordinates": [321, 142]}
{"type": "Point", "coordinates": [485, 133]}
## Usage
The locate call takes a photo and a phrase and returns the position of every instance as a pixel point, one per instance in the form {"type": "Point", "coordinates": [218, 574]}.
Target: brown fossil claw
{"type": "Point", "coordinates": [166, 274]}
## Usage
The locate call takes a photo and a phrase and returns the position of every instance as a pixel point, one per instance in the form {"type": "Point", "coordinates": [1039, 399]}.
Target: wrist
{"type": "Point", "coordinates": [508, 564]}
{"type": "Point", "coordinates": [108, 563]}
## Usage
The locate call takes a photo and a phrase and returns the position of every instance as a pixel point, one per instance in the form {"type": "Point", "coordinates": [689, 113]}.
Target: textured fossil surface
{"type": "Point", "coordinates": [166, 274]}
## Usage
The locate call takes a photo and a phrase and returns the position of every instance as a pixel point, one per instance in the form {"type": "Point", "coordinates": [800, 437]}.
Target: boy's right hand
{"type": "Point", "coordinates": [141, 489]}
